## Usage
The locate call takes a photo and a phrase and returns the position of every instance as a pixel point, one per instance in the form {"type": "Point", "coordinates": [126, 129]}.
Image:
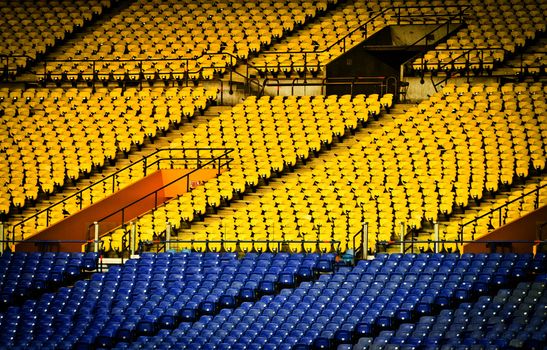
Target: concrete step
{"type": "Point", "coordinates": [216, 110]}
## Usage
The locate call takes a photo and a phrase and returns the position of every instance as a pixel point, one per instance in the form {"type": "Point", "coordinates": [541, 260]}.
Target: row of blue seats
{"type": "Point", "coordinates": [511, 319]}
{"type": "Point", "coordinates": [339, 308]}
{"type": "Point", "coordinates": [146, 294]}
{"type": "Point", "coordinates": [28, 274]}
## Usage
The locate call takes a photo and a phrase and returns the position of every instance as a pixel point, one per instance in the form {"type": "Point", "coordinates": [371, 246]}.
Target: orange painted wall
{"type": "Point", "coordinates": [76, 226]}
{"type": "Point", "coordinates": [524, 228]}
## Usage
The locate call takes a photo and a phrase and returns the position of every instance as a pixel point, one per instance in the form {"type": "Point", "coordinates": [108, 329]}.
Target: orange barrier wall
{"type": "Point", "coordinates": [524, 228]}
{"type": "Point", "coordinates": [77, 226]}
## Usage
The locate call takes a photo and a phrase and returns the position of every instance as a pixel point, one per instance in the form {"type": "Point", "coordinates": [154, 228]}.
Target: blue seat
{"type": "Point", "coordinates": [90, 261]}
{"type": "Point", "coordinates": [247, 294]}
{"type": "Point", "coordinates": [208, 308]}
{"type": "Point", "coordinates": [343, 336]}
{"type": "Point", "coordinates": [461, 294]}
{"type": "Point", "coordinates": [500, 280]}
{"type": "Point", "coordinates": [425, 305]}
{"type": "Point", "coordinates": [187, 314]}
{"type": "Point", "coordinates": [169, 319]}
{"type": "Point", "coordinates": [305, 273]}
{"type": "Point", "coordinates": [286, 280]}
{"type": "Point", "coordinates": [324, 265]}
{"type": "Point", "coordinates": [322, 342]}
{"type": "Point", "coordinates": [365, 327]}
{"type": "Point", "coordinates": [266, 288]}
{"type": "Point", "coordinates": [227, 301]}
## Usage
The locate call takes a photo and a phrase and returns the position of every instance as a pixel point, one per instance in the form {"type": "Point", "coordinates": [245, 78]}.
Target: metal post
{"type": "Point", "coordinates": [436, 227]}
{"type": "Point", "coordinates": [402, 237]}
{"type": "Point", "coordinates": [231, 72]}
{"type": "Point", "coordinates": [2, 237]}
{"type": "Point", "coordinates": [318, 237]}
{"type": "Point", "coordinates": [133, 238]}
{"type": "Point", "coordinates": [168, 236]}
{"type": "Point", "coordinates": [364, 241]}
{"type": "Point", "coordinates": [499, 222]}
{"type": "Point", "coordinates": [305, 66]}
{"type": "Point", "coordinates": [96, 238]}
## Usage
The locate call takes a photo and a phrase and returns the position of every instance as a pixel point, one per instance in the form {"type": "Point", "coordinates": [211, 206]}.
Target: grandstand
{"type": "Point", "coordinates": [335, 174]}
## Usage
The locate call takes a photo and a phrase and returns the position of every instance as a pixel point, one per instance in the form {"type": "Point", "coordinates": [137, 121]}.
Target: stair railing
{"type": "Point", "coordinates": [110, 182]}
{"type": "Point", "coordinates": [499, 209]}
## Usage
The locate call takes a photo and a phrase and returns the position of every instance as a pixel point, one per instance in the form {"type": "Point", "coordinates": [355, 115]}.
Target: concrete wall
{"type": "Point", "coordinates": [409, 34]}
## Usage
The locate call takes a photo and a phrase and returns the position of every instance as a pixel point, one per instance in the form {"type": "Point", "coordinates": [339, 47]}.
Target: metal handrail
{"type": "Point", "coordinates": [5, 60]}
{"type": "Point", "coordinates": [466, 53]}
{"type": "Point", "coordinates": [468, 241]}
{"type": "Point", "coordinates": [411, 243]}
{"type": "Point", "coordinates": [140, 72]}
{"type": "Point", "coordinates": [280, 243]}
{"type": "Point", "coordinates": [186, 176]}
{"type": "Point", "coordinates": [536, 205]}
{"type": "Point", "coordinates": [352, 81]}
{"type": "Point", "coordinates": [427, 47]}
{"type": "Point", "coordinates": [141, 162]}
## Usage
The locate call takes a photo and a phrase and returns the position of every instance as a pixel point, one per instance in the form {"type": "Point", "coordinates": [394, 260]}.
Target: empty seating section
{"type": "Point", "coordinates": [152, 29]}
{"type": "Point", "coordinates": [278, 301]}
{"type": "Point", "coordinates": [51, 136]}
{"type": "Point", "coordinates": [451, 148]}
{"type": "Point", "coordinates": [495, 29]}
{"type": "Point", "coordinates": [269, 135]}
{"type": "Point", "coordinates": [360, 301]}
{"type": "Point", "coordinates": [29, 28]}
{"type": "Point", "coordinates": [26, 274]}
{"type": "Point", "coordinates": [511, 319]}
{"type": "Point", "coordinates": [147, 294]}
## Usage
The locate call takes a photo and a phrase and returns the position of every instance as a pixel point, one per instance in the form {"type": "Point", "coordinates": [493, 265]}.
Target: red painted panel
{"type": "Point", "coordinates": [523, 228]}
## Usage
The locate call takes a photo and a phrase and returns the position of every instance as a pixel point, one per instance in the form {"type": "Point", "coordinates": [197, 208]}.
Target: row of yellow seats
{"type": "Point", "coordinates": [204, 67]}
{"type": "Point", "coordinates": [49, 135]}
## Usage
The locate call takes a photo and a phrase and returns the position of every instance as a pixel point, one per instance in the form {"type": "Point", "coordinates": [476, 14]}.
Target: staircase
{"type": "Point", "coordinates": [121, 161]}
